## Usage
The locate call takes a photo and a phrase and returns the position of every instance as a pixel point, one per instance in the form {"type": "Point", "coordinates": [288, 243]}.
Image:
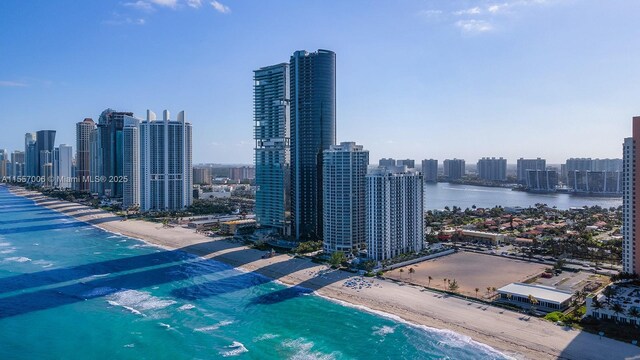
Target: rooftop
{"type": "Point", "coordinates": [540, 292]}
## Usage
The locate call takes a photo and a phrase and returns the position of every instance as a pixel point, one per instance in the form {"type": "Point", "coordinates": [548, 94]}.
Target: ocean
{"type": "Point", "coordinates": [69, 290]}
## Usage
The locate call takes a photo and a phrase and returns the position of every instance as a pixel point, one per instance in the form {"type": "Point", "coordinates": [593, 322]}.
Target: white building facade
{"type": "Point", "coordinates": [63, 167]}
{"type": "Point", "coordinates": [344, 172]}
{"type": "Point", "coordinates": [394, 212]}
{"type": "Point", "coordinates": [166, 171]}
{"type": "Point", "coordinates": [131, 162]}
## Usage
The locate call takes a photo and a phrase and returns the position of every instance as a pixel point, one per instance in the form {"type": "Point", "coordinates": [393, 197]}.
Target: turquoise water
{"type": "Point", "coordinates": [69, 290]}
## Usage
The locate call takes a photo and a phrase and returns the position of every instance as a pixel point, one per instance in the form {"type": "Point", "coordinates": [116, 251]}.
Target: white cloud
{"type": "Point", "coordinates": [496, 8]}
{"type": "Point", "coordinates": [194, 3]}
{"type": "Point", "coordinates": [220, 7]}
{"type": "Point", "coordinates": [474, 26]}
{"type": "Point", "coordinates": [430, 13]}
{"type": "Point", "coordinates": [140, 5]}
{"type": "Point", "coordinates": [471, 11]}
{"type": "Point", "coordinates": [165, 3]}
{"type": "Point", "coordinates": [8, 83]}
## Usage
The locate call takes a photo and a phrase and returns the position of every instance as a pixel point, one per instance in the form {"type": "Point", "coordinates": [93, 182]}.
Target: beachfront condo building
{"type": "Point", "coordinates": [344, 171]}
{"type": "Point", "coordinates": [492, 169]}
{"type": "Point", "coordinates": [430, 170]}
{"type": "Point", "coordinates": [631, 201]}
{"type": "Point", "coordinates": [313, 130]}
{"type": "Point", "coordinates": [45, 142]}
{"type": "Point", "coordinates": [17, 162]}
{"type": "Point", "coordinates": [31, 158]}
{"type": "Point", "coordinates": [131, 162]}
{"type": "Point", "coordinates": [271, 116]}
{"type": "Point", "coordinates": [83, 154]}
{"type": "Point", "coordinates": [63, 167]}
{"type": "Point", "coordinates": [524, 165]}
{"type": "Point", "coordinates": [454, 169]}
{"type": "Point", "coordinates": [166, 165]}
{"type": "Point", "coordinates": [109, 147]}
{"type": "Point", "coordinates": [394, 207]}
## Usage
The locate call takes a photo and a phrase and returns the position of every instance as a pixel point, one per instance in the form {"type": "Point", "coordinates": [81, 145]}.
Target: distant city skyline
{"type": "Point", "coordinates": [417, 79]}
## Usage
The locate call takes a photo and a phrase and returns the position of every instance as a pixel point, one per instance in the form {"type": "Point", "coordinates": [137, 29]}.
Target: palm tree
{"type": "Point", "coordinates": [477, 289]}
{"type": "Point", "coordinates": [429, 283]}
{"type": "Point", "coordinates": [445, 283]}
{"type": "Point", "coordinates": [617, 309]}
{"type": "Point", "coordinates": [488, 290]}
{"type": "Point", "coordinates": [634, 314]}
{"type": "Point", "coordinates": [453, 285]}
{"type": "Point", "coordinates": [533, 302]}
{"type": "Point", "coordinates": [411, 271]}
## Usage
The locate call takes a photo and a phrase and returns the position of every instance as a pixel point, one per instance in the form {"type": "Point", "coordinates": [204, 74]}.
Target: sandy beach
{"type": "Point", "coordinates": [512, 333]}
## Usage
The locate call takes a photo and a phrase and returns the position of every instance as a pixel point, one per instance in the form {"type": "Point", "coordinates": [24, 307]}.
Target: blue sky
{"type": "Point", "coordinates": [416, 78]}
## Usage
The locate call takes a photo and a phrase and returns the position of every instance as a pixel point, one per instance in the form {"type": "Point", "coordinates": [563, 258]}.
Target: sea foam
{"type": "Point", "coordinates": [236, 348]}
{"type": "Point", "coordinates": [139, 301]}
{"type": "Point", "coordinates": [214, 327]}
{"type": "Point", "coordinates": [303, 350]}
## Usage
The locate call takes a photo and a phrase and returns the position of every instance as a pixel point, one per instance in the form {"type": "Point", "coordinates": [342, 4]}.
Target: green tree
{"type": "Point", "coordinates": [411, 272]}
{"type": "Point", "coordinates": [477, 289]}
{"type": "Point", "coordinates": [429, 279]}
{"type": "Point", "coordinates": [337, 258]}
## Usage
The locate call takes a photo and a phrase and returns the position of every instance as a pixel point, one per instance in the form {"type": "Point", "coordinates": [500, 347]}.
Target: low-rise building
{"type": "Point", "coordinates": [230, 227]}
{"type": "Point", "coordinates": [544, 298]}
{"type": "Point", "coordinates": [482, 237]}
{"type": "Point", "coordinates": [618, 306]}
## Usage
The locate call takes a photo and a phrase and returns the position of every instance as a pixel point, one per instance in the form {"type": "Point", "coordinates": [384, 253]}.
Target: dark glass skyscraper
{"type": "Point", "coordinates": [313, 130]}
{"type": "Point", "coordinates": [45, 142]}
{"type": "Point", "coordinates": [110, 126]}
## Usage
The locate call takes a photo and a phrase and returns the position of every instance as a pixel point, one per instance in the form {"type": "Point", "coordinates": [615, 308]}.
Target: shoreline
{"type": "Point", "coordinates": [505, 331]}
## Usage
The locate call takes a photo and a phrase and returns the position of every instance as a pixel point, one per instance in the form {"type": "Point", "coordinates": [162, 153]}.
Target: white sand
{"type": "Point", "coordinates": [510, 332]}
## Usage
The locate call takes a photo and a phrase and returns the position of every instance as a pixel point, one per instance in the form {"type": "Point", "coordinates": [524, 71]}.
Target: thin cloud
{"type": "Point", "coordinates": [140, 5]}
{"type": "Point", "coordinates": [221, 8]}
{"type": "Point", "coordinates": [194, 3]}
{"type": "Point", "coordinates": [430, 13]}
{"type": "Point", "coordinates": [474, 26]}
{"type": "Point", "coordinates": [125, 21]}
{"type": "Point", "coordinates": [165, 3]}
{"type": "Point", "coordinates": [8, 83]}
{"type": "Point", "coordinates": [471, 11]}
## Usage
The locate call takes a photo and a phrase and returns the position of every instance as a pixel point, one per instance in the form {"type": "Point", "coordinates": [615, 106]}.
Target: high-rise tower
{"type": "Point", "coordinates": [166, 171]}
{"type": "Point", "coordinates": [631, 201]}
{"type": "Point", "coordinates": [83, 156]}
{"type": "Point", "coordinates": [343, 190]}
{"type": "Point", "coordinates": [313, 130]}
{"type": "Point", "coordinates": [271, 133]}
